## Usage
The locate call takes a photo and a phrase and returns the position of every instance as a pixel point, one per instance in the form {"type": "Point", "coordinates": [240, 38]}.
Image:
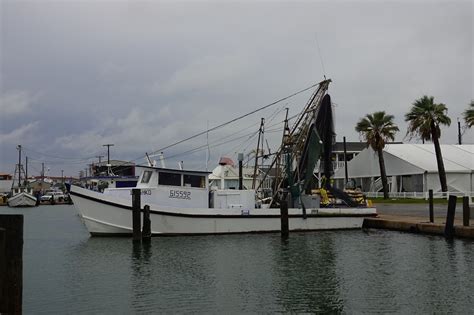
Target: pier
{"type": "Point", "coordinates": [415, 218]}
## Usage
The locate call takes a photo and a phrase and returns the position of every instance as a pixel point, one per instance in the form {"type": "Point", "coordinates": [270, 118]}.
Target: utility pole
{"type": "Point", "coordinates": [108, 151]}
{"type": "Point", "coordinates": [346, 177]}
{"type": "Point", "coordinates": [19, 165]}
{"type": "Point", "coordinates": [26, 171]}
{"type": "Point", "coordinates": [108, 156]}
{"type": "Point", "coordinates": [62, 176]}
{"type": "Point", "coordinates": [459, 132]}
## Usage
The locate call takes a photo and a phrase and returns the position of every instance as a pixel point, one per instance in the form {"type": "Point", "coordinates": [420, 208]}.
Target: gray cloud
{"type": "Point", "coordinates": [145, 74]}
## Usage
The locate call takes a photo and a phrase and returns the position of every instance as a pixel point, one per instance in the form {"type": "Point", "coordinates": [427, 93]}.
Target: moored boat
{"type": "Point", "coordinates": [182, 201]}
{"type": "Point", "coordinates": [22, 197]}
{"type": "Point", "coordinates": [21, 194]}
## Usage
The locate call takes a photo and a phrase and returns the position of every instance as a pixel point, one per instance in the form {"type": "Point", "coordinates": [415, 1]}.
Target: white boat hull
{"type": "Point", "coordinates": [22, 199]}
{"type": "Point", "coordinates": [108, 215]}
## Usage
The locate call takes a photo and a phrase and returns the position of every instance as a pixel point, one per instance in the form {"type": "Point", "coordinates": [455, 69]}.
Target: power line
{"type": "Point", "coordinates": [57, 157]}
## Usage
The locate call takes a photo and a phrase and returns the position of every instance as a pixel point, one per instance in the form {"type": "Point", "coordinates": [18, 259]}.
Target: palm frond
{"type": "Point", "coordinates": [425, 117]}
{"type": "Point", "coordinates": [377, 129]}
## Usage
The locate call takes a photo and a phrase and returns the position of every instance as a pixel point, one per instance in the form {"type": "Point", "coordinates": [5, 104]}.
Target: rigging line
{"type": "Point", "coordinates": [254, 133]}
{"type": "Point", "coordinates": [236, 148]}
{"type": "Point", "coordinates": [216, 142]}
{"type": "Point", "coordinates": [214, 128]}
{"type": "Point", "coordinates": [235, 119]}
{"type": "Point", "coordinates": [320, 56]}
{"type": "Point", "coordinates": [213, 145]}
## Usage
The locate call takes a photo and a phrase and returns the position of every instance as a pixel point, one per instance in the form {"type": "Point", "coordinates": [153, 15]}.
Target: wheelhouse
{"type": "Point", "coordinates": [152, 177]}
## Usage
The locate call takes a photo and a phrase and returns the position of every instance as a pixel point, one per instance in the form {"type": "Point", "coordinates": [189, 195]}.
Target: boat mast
{"type": "Point", "coordinates": [26, 171]}
{"type": "Point", "coordinates": [19, 165]}
{"type": "Point", "coordinates": [260, 136]}
{"type": "Point", "coordinates": [298, 133]}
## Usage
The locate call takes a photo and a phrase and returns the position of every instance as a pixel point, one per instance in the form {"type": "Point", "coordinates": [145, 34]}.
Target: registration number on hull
{"type": "Point", "coordinates": [180, 194]}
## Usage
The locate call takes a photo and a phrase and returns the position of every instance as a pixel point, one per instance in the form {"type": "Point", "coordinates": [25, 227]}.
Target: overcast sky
{"type": "Point", "coordinates": [143, 74]}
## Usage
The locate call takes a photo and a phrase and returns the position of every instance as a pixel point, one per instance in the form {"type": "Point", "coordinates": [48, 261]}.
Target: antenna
{"type": "Point", "coordinates": [320, 56]}
{"type": "Point", "coordinates": [208, 152]}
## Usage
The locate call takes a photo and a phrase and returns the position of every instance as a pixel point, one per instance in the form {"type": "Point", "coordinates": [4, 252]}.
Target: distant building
{"type": "Point", "coordinates": [352, 149]}
{"type": "Point", "coordinates": [6, 181]}
{"type": "Point", "coordinates": [226, 176]}
{"type": "Point", "coordinates": [413, 168]}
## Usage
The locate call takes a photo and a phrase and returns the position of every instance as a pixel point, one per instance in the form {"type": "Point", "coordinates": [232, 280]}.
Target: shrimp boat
{"type": "Point", "coordinates": [182, 202]}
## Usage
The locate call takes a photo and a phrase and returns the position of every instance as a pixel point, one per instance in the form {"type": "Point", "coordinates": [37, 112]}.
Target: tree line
{"type": "Point", "coordinates": [424, 120]}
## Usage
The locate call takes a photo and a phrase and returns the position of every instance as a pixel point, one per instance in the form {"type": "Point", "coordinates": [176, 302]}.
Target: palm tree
{"type": "Point", "coordinates": [424, 120]}
{"type": "Point", "coordinates": [469, 115]}
{"type": "Point", "coordinates": [377, 129]}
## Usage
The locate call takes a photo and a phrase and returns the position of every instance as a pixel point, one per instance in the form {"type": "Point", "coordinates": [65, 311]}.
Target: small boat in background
{"type": "Point", "coordinates": [22, 197]}
{"type": "Point", "coordinates": [21, 194]}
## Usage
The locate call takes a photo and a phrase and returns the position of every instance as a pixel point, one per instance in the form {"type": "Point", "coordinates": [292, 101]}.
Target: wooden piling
{"type": "Point", "coordinates": [465, 211]}
{"type": "Point", "coordinates": [3, 271]}
{"type": "Point", "coordinates": [136, 214]}
{"type": "Point", "coordinates": [284, 218]}
{"type": "Point", "coordinates": [430, 199]}
{"type": "Point", "coordinates": [449, 227]}
{"type": "Point", "coordinates": [146, 231]}
{"type": "Point", "coordinates": [11, 264]}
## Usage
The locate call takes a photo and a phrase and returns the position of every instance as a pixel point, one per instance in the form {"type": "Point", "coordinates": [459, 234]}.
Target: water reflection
{"type": "Point", "coordinates": [142, 271]}
{"type": "Point", "coordinates": [330, 272]}
{"type": "Point", "coordinates": [306, 276]}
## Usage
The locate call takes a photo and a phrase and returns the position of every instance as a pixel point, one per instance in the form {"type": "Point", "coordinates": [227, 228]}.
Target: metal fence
{"type": "Point", "coordinates": [420, 195]}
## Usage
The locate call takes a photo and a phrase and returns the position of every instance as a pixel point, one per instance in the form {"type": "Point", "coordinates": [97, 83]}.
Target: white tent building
{"type": "Point", "coordinates": [413, 168]}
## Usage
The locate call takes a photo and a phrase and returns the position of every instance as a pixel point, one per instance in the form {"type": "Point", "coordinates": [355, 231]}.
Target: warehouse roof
{"type": "Point", "coordinates": [406, 159]}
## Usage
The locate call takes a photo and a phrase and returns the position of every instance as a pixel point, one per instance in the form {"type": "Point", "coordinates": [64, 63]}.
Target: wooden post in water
{"type": "Point", "coordinates": [284, 218]}
{"type": "Point", "coordinates": [449, 227]}
{"type": "Point", "coordinates": [146, 231]}
{"type": "Point", "coordinates": [11, 264]}
{"type": "Point", "coordinates": [465, 211]}
{"type": "Point", "coordinates": [430, 200]}
{"type": "Point", "coordinates": [136, 214]}
{"type": "Point", "coordinates": [3, 267]}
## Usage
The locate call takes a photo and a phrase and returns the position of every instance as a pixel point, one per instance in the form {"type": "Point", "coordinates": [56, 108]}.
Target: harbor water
{"type": "Point", "coordinates": [66, 271]}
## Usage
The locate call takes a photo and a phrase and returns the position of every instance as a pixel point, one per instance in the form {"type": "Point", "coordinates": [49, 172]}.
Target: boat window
{"type": "Point", "coordinates": [171, 179]}
{"type": "Point", "coordinates": [195, 181]}
{"type": "Point", "coordinates": [146, 177]}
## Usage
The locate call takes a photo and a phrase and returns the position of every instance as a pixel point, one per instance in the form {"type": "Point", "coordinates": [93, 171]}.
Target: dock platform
{"type": "Point", "coordinates": [414, 218]}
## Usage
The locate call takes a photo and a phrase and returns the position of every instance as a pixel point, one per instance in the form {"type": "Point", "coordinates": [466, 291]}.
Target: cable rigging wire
{"type": "Point", "coordinates": [234, 120]}
{"type": "Point", "coordinates": [221, 125]}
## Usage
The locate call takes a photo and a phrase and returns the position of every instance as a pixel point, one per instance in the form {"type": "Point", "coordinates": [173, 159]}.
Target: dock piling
{"type": "Point", "coordinates": [136, 214]}
{"type": "Point", "coordinates": [465, 211]}
{"type": "Point", "coordinates": [146, 231]}
{"type": "Point", "coordinates": [284, 218]}
{"type": "Point", "coordinates": [449, 227]}
{"type": "Point", "coordinates": [11, 264]}
{"type": "Point", "coordinates": [430, 199]}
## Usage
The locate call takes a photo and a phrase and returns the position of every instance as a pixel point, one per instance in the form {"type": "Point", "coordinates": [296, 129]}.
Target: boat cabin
{"type": "Point", "coordinates": [170, 187]}
{"type": "Point", "coordinates": [184, 189]}
{"type": "Point", "coordinates": [152, 177]}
